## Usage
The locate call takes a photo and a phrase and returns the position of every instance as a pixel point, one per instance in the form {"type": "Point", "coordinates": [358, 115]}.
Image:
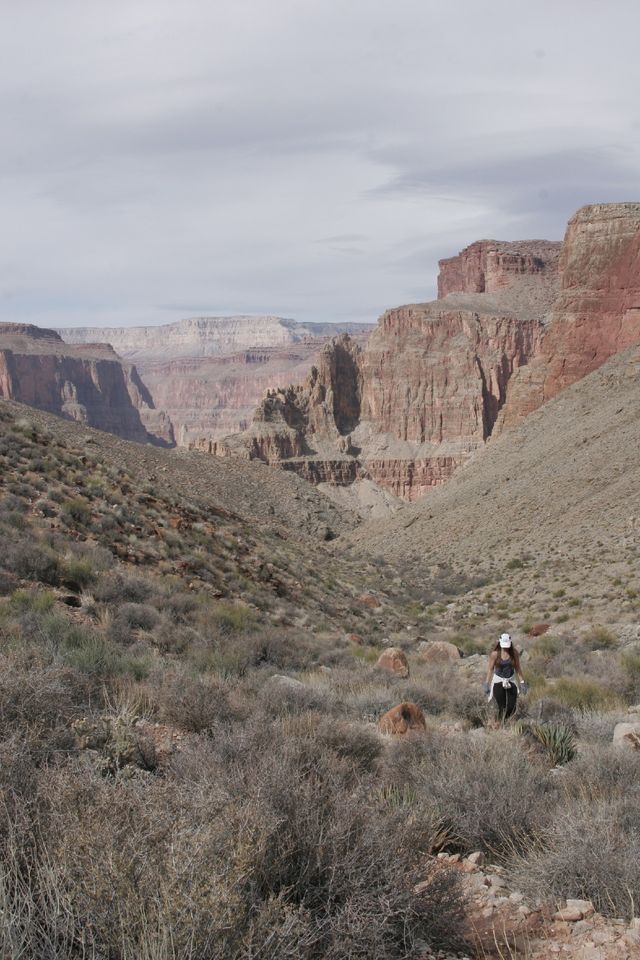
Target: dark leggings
{"type": "Point", "coordinates": [506, 699]}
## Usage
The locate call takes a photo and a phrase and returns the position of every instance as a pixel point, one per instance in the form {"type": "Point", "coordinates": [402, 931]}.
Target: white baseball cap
{"type": "Point", "coordinates": [505, 640]}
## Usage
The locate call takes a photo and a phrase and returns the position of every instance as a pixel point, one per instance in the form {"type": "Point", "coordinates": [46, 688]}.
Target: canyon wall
{"type": "Point", "coordinates": [209, 373]}
{"type": "Point", "coordinates": [87, 383]}
{"type": "Point", "coordinates": [597, 312]}
{"type": "Point", "coordinates": [515, 324]}
{"type": "Point", "coordinates": [404, 412]}
{"type": "Point", "coordinates": [488, 266]}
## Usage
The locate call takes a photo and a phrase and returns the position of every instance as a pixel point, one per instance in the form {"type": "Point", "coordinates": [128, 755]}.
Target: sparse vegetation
{"type": "Point", "coordinates": [194, 730]}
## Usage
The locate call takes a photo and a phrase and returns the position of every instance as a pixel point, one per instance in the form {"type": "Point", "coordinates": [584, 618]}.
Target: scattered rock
{"type": "Point", "coordinates": [439, 651]}
{"type": "Point", "coordinates": [477, 858]}
{"type": "Point", "coordinates": [584, 906]}
{"type": "Point", "coordinates": [355, 638]}
{"type": "Point", "coordinates": [394, 660]}
{"type": "Point", "coordinates": [538, 629]}
{"type": "Point", "coordinates": [402, 719]}
{"type": "Point", "coordinates": [290, 683]}
{"type": "Point", "coordinates": [627, 735]}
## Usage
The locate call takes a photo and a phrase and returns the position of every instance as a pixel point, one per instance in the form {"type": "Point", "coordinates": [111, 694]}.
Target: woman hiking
{"type": "Point", "coordinates": [503, 673]}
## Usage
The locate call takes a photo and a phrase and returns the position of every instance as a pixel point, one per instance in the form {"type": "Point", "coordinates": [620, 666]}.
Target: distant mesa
{"type": "Point", "coordinates": [514, 324]}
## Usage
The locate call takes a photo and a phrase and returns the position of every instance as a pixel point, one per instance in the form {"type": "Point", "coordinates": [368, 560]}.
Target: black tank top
{"type": "Point", "coordinates": [504, 668]}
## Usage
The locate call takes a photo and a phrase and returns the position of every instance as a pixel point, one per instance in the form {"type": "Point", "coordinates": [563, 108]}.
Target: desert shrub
{"type": "Point", "coordinates": [487, 792]}
{"type": "Point", "coordinates": [281, 699]}
{"type": "Point", "coordinates": [599, 638]}
{"type": "Point", "coordinates": [291, 859]}
{"type": "Point", "coordinates": [7, 583]}
{"type": "Point", "coordinates": [469, 646]}
{"type": "Point", "coordinates": [583, 693]}
{"type": "Point", "coordinates": [602, 774]}
{"type": "Point", "coordinates": [354, 742]}
{"type": "Point", "coordinates": [138, 616]}
{"type": "Point", "coordinates": [594, 726]}
{"type": "Point", "coordinates": [31, 601]}
{"type": "Point", "coordinates": [122, 588]}
{"type": "Point", "coordinates": [630, 662]}
{"type": "Point", "coordinates": [31, 560]}
{"type": "Point", "coordinates": [231, 617]}
{"type": "Point", "coordinates": [548, 646]}
{"type": "Point", "coordinates": [589, 850]}
{"type": "Point", "coordinates": [194, 704]}
{"type": "Point", "coordinates": [76, 509]}
{"type": "Point", "coordinates": [37, 696]}
{"type": "Point", "coordinates": [75, 574]}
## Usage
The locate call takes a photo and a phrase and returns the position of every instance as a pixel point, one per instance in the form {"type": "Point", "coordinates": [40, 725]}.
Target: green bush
{"type": "Point", "coordinates": [583, 693]}
{"type": "Point", "coordinates": [599, 638]}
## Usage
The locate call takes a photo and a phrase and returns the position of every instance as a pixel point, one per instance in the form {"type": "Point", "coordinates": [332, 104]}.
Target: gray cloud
{"type": "Point", "coordinates": [313, 160]}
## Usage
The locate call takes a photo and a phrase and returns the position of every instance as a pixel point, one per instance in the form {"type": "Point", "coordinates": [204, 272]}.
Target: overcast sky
{"type": "Point", "coordinates": [307, 158]}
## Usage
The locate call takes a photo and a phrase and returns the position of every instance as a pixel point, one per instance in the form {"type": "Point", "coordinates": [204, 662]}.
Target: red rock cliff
{"type": "Point", "coordinates": [405, 412]}
{"type": "Point", "coordinates": [87, 383]}
{"type": "Point", "coordinates": [487, 266]}
{"type": "Point", "coordinates": [597, 312]}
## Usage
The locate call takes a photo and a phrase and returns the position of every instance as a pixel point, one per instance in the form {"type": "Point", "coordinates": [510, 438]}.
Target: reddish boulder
{"type": "Point", "coordinates": [403, 719]}
{"type": "Point", "coordinates": [439, 651]}
{"type": "Point", "coordinates": [394, 660]}
{"type": "Point", "coordinates": [538, 629]}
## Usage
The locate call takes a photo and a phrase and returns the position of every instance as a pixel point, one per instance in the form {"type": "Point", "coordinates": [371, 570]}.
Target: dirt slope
{"type": "Point", "coordinates": [567, 480]}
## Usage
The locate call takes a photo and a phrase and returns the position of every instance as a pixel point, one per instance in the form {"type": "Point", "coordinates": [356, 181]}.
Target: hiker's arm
{"type": "Point", "coordinates": [518, 667]}
{"type": "Point", "coordinates": [492, 663]}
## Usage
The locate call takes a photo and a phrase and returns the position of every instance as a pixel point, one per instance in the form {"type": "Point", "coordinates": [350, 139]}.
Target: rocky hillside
{"type": "Point", "coordinates": [87, 383]}
{"type": "Point", "coordinates": [209, 373]}
{"type": "Point", "coordinates": [257, 735]}
{"type": "Point", "coordinates": [549, 509]}
{"type": "Point", "coordinates": [516, 323]}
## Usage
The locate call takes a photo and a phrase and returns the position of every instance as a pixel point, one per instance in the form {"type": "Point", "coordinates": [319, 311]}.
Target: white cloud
{"type": "Point", "coordinates": [310, 159]}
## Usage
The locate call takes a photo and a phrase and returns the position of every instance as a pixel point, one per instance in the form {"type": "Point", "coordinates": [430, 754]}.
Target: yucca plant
{"type": "Point", "coordinates": [558, 739]}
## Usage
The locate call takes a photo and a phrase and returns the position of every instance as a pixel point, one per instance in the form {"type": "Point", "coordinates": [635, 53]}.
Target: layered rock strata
{"type": "Point", "coordinates": [597, 312]}
{"type": "Point", "coordinates": [515, 324]}
{"type": "Point", "coordinates": [88, 384]}
{"type": "Point", "coordinates": [405, 412]}
{"type": "Point", "coordinates": [209, 373]}
{"type": "Point", "coordinates": [490, 266]}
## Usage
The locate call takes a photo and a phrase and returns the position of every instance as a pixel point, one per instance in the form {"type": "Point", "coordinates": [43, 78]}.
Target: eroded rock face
{"type": "Point", "coordinates": [210, 373]}
{"type": "Point", "coordinates": [487, 266]}
{"type": "Point", "coordinates": [516, 323]}
{"type": "Point", "coordinates": [89, 384]}
{"type": "Point", "coordinates": [404, 412]}
{"type": "Point", "coordinates": [597, 312]}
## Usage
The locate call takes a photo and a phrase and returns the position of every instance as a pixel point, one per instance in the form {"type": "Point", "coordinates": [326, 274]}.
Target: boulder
{"type": "Point", "coordinates": [355, 638]}
{"type": "Point", "coordinates": [439, 651]}
{"type": "Point", "coordinates": [402, 719]}
{"type": "Point", "coordinates": [286, 683]}
{"type": "Point", "coordinates": [627, 735]}
{"type": "Point", "coordinates": [394, 660]}
{"type": "Point", "coordinates": [538, 629]}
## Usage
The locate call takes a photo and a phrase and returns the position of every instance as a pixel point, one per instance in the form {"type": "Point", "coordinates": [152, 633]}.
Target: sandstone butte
{"type": "Point", "coordinates": [209, 373]}
{"type": "Point", "coordinates": [514, 324]}
{"type": "Point", "coordinates": [85, 383]}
